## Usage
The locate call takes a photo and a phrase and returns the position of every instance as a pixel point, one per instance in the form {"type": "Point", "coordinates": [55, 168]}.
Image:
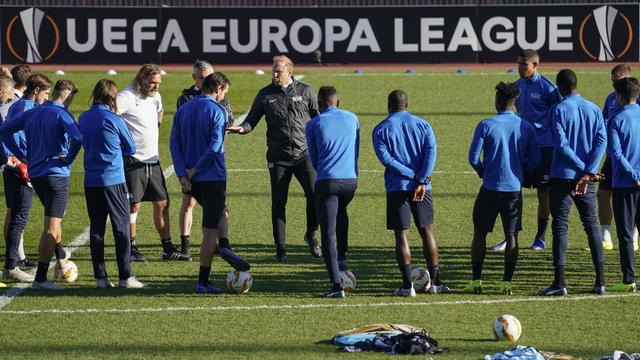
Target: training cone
{"type": "Point", "coordinates": [359, 72]}
{"type": "Point", "coordinates": [259, 72]}
{"type": "Point", "coordinates": [410, 72]}
{"type": "Point", "coordinates": [111, 72]}
{"type": "Point", "coordinates": [58, 72]}
{"type": "Point", "coordinates": [162, 72]}
{"type": "Point", "coordinates": [460, 71]}
{"type": "Point", "coordinates": [511, 71]}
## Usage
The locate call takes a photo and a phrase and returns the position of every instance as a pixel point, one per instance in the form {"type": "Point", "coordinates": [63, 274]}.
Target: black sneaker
{"type": "Point", "coordinates": [236, 261]}
{"type": "Point", "coordinates": [136, 256]}
{"type": "Point", "coordinates": [314, 248]}
{"type": "Point", "coordinates": [335, 294]}
{"type": "Point", "coordinates": [26, 263]}
{"type": "Point", "coordinates": [553, 290]}
{"type": "Point", "coordinates": [281, 257]}
{"type": "Point", "coordinates": [175, 255]}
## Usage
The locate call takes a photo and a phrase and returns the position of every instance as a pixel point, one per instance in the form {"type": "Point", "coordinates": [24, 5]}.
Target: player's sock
{"type": "Point", "coordinates": [59, 251]}
{"type": "Point", "coordinates": [223, 242]}
{"type": "Point", "coordinates": [476, 268]}
{"type": "Point", "coordinates": [509, 269]}
{"type": "Point", "coordinates": [559, 276]}
{"type": "Point", "coordinates": [203, 277]}
{"type": "Point", "coordinates": [167, 246]}
{"type": "Point", "coordinates": [433, 273]}
{"type": "Point", "coordinates": [185, 243]}
{"type": "Point", "coordinates": [600, 274]}
{"type": "Point", "coordinates": [41, 273]}
{"type": "Point", "coordinates": [542, 227]}
{"type": "Point", "coordinates": [406, 275]}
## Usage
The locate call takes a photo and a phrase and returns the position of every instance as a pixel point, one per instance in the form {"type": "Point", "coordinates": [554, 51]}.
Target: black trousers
{"type": "Point", "coordinates": [114, 202]}
{"type": "Point", "coordinates": [19, 197]}
{"type": "Point", "coordinates": [625, 211]}
{"type": "Point", "coordinates": [332, 198]}
{"type": "Point", "coordinates": [280, 176]}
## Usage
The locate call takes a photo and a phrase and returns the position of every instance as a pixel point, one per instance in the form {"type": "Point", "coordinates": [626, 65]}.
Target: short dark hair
{"type": "Point", "coordinates": [529, 54]}
{"type": "Point", "coordinates": [37, 81]}
{"type": "Point", "coordinates": [62, 86]}
{"type": "Point", "coordinates": [20, 74]}
{"type": "Point", "coordinates": [105, 92]}
{"type": "Point", "coordinates": [567, 80]}
{"type": "Point", "coordinates": [397, 100]}
{"type": "Point", "coordinates": [621, 69]}
{"type": "Point", "coordinates": [506, 93]}
{"type": "Point", "coordinates": [213, 80]}
{"type": "Point", "coordinates": [628, 88]}
{"type": "Point", "coordinates": [326, 93]}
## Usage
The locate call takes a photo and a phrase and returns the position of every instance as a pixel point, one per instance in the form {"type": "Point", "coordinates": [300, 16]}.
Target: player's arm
{"type": "Point", "coordinates": [215, 149]}
{"type": "Point", "coordinates": [616, 149]}
{"type": "Point", "coordinates": [75, 137]}
{"type": "Point", "coordinates": [253, 117]}
{"type": "Point", "coordinates": [475, 149]}
{"type": "Point", "coordinates": [357, 149]}
{"type": "Point", "coordinates": [533, 158]}
{"type": "Point", "coordinates": [227, 106]}
{"type": "Point", "coordinates": [7, 130]}
{"type": "Point", "coordinates": [429, 155]}
{"type": "Point", "coordinates": [311, 143]}
{"type": "Point", "coordinates": [599, 146]}
{"type": "Point", "coordinates": [126, 140]}
{"type": "Point", "coordinates": [560, 140]}
{"type": "Point", "coordinates": [175, 147]}
{"type": "Point", "coordinates": [382, 152]}
{"type": "Point", "coordinates": [313, 103]}
{"type": "Point", "coordinates": [160, 116]}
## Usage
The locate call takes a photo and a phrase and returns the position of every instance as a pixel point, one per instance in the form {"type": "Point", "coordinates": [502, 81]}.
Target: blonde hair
{"type": "Point", "coordinates": [145, 72]}
{"type": "Point", "coordinates": [287, 62]}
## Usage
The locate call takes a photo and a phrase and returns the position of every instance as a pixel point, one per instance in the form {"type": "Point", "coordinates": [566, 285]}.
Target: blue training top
{"type": "Point", "coordinates": [197, 137]}
{"type": "Point", "coordinates": [537, 97]}
{"type": "Point", "coordinates": [579, 136]}
{"type": "Point", "coordinates": [105, 138]}
{"type": "Point", "coordinates": [53, 139]}
{"type": "Point", "coordinates": [333, 141]}
{"type": "Point", "coordinates": [19, 140]}
{"type": "Point", "coordinates": [406, 145]}
{"type": "Point", "coordinates": [509, 145]}
{"type": "Point", "coordinates": [624, 140]}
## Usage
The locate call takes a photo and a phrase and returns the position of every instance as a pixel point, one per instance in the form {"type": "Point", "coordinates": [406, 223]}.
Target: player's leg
{"type": "Point", "coordinates": [586, 205]}
{"type": "Point", "coordinates": [423, 218]}
{"type": "Point", "coordinates": [212, 195]}
{"type": "Point", "coordinates": [19, 199]}
{"type": "Point", "coordinates": [511, 214]}
{"type": "Point", "coordinates": [399, 220]}
{"type": "Point", "coordinates": [280, 177]}
{"type": "Point", "coordinates": [185, 219]}
{"type": "Point", "coordinates": [97, 211]}
{"type": "Point", "coordinates": [542, 186]}
{"type": "Point", "coordinates": [561, 200]}
{"type": "Point", "coordinates": [326, 201]}
{"type": "Point", "coordinates": [347, 192]}
{"type": "Point", "coordinates": [625, 212]}
{"type": "Point", "coordinates": [605, 211]}
{"type": "Point", "coordinates": [135, 175]}
{"type": "Point", "coordinates": [306, 176]}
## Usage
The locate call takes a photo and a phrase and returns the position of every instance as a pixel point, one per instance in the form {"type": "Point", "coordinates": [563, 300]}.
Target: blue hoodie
{"type": "Point", "coordinates": [579, 136]}
{"type": "Point", "coordinates": [406, 145]}
{"type": "Point", "coordinates": [53, 139]}
{"type": "Point", "coordinates": [197, 137]}
{"type": "Point", "coordinates": [105, 138]}
{"type": "Point", "coordinates": [624, 140]}
{"type": "Point", "coordinates": [509, 146]}
{"type": "Point", "coordinates": [333, 140]}
{"type": "Point", "coordinates": [537, 97]}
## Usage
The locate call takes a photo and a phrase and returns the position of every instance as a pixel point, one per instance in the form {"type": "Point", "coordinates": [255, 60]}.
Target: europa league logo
{"type": "Point", "coordinates": [32, 20]}
{"type": "Point", "coordinates": [605, 18]}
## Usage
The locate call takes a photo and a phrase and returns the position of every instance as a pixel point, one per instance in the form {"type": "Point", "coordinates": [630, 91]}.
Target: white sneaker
{"type": "Point", "coordinates": [104, 283]}
{"type": "Point", "coordinates": [606, 234]}
{"type": "Point", "coordinates": [131, 283]}
{"type": "Point", "coordinates": [499, 246]}
{"type": "Point", "coordinates": [46, 285]}
{"type": "Point", "coordinates": [17, 274]}
{"type": "Point", "coordinates": [410, 292]}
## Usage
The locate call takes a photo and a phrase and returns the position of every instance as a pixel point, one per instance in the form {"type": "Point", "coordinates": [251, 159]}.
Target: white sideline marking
{"type": "Point", "coordinates": [450, 73]}
{"type": "Point", "coordinates": [18, 288]}
{"type": "Point", "coordinates": [316, 306]}
{"type": "Point", "coordinates": [364, 171]}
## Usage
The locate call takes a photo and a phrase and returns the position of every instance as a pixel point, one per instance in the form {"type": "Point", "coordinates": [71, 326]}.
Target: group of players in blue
{"type": "Point", "coordinates": [555, 143]}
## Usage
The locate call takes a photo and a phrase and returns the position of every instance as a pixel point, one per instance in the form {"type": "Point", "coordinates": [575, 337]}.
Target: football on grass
{"type": "Point", "coordinates": [239, 282]}
{"type": "Point", "coordinates": [421, 279]}
{"type": "Point", "coordinates": [507, 327]}
{"type": "Point", "coordinates": [66, 270]}
{"type": "Point", "coordinates": [348, 280]}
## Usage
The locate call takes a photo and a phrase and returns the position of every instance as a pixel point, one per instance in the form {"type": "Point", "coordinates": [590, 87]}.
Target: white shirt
{"type": "Point", "coordinates": [140, 113]}
{"type": "Point", "coordinates": [4, 109]}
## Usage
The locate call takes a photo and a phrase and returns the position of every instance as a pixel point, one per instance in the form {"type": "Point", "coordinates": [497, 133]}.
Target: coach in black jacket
{"type": "Point", "coordinates": [201, 69]}
{"type": "Point", "coordinates": [288, 105]}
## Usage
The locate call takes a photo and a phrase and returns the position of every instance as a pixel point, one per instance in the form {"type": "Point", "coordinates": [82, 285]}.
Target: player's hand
{"type": "Point", "coordinates": [12, 162]}
{"type": "Point", "coordinates": [234, 130]}
{"type": "Point", "coordinates": [583, 184]}
{"type": "Point", "coordinates": [638, 183]}
{"type": "Point", "coordinates": [185, 184]}
{"type": "Point", "coordinates": [598, 177]}
{"type": "Point", "coordinates": [418, 193]}
{"type": "Point", "coordinates": [191, 173]}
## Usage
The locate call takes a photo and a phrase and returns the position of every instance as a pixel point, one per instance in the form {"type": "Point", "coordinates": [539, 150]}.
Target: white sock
{"type": "Point", "coordinates": [635, 235]}
{"type": "Point", "coordinates": [606, 233]}
{"type": "Point", "coordinates": [21, 253]}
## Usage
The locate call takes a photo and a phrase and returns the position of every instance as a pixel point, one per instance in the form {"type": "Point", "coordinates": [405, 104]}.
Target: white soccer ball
{"type": "Point", "coordinates": [67, 271]}
{"type": "Point", "coordinates": [239, 282]}
{"type": "Point", "coordinates": [421, 279]}
{"type": "Point", "coordinates": [507, 327]}
{"type": "Point", "coordinates": [348, 280]}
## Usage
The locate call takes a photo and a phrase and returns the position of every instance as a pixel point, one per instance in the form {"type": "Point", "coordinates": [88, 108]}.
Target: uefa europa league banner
{"type": "Point", "coordinates": [573, 33]}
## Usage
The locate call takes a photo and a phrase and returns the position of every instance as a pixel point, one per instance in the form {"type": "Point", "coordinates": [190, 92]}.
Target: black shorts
{"type": "Point", "coordinates": [144, 181]}
{"type": "Point", "coordinates": [53, 192]}
{"type": "Point", "coordinates": [400, 207]}
{"type": "Point", "coordinates": [490, 203]}
{"type": "Point", "coordinates": [607, 170]}
{"type": "Point", "coordinates": [212, 196]}
{"type": "Point", "coordinates": [17, 193]}
{"type": "Point", "coordinates": [541, 176]}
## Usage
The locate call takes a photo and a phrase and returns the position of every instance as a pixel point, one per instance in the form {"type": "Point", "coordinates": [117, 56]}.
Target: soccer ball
{"type": "Point", "coordinates": [67, 271]}
{"type": "Point", "coordinates": [421, 279]}
{"type": "Point", "coordinates": [507, 327]}
{"type": "Point", "coordinates": [348, 280]}
{"type": "Point", "coordinates": [239, 282]}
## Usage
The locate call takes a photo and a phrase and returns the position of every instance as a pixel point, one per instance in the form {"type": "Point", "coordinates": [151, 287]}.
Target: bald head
{"type": "Point", "coordinates": [397, 101]}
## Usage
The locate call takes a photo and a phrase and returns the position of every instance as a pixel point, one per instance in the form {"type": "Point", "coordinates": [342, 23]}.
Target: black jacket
{"type": "Point", "coordinates": [287, 113]}
{"type": "Point", "coordinates": [190, 93]}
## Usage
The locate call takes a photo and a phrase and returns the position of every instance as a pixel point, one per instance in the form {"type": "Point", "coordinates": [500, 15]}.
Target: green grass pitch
{"type": "Point", "coordinates": [282, 316]}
